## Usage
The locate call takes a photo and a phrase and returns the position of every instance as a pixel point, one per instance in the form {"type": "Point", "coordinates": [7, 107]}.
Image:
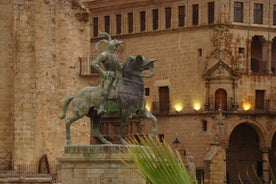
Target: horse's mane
{"type": "Point", "coordinates": [128, 61]}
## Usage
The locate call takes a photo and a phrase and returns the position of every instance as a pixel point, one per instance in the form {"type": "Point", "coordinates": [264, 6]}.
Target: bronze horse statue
{"type": "Point", "coordinates": [128, 98]}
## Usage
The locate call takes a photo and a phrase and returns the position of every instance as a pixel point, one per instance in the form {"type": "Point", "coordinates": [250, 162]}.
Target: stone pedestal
{"type": "Point", "coordinates": [97, 164]}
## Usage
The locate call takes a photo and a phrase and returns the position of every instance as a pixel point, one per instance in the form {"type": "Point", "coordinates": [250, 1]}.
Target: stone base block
{"type": "Point", "coordinates": [97, 164]}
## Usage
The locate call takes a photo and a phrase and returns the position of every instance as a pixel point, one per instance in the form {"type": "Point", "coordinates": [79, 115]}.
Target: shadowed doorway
{"type": "Point", "coordinates": [243, 156]}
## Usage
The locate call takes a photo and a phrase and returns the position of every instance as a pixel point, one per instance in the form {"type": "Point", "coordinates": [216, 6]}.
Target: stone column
{"type": "Point", "coordinates": [249, 41]}
{"type": "Point", "coordinates": [207, 98]}
{"type": "Point", "coordinates": [234, 103]}
{"type": "Point", "coordinates": [267, 55]}
{"type": "Point", "coordinates": [265, 166]}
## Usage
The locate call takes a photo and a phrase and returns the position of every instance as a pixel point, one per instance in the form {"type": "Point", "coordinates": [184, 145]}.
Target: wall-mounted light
{"type": "Point", "coordinates": [148, 107]}
{"type": "Point", "coordinates": [196, 106]}
{"type": "Point", "coordinates": [246, 106]}
{"type": "Point", "coordinates": [178, 107]}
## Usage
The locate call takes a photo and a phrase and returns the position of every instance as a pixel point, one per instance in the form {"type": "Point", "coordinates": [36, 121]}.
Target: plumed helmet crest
{"type": "Point", "coordinates": [109, 42]}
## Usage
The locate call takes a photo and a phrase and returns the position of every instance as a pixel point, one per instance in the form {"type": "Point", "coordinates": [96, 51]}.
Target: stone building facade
{"type": "Point", "coordinates": [214, 87]}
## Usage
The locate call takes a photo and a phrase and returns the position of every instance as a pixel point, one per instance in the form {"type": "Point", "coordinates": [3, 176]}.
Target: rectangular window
{"type": "Point", "coordinates": [274, 14]}
{"type": "Point", "coordinates": [199, 52]}
{"type": "Point", "coordinates": [241, 50]}
{"type": "Point", "coordinates": [95, 27]}
{"type": "Point", "coordinates": [155, 19]}
{"type": "Point", "coordinates": [238, 12]}
{"type": "Point", "coordinates": [164, 100]}
{"type": "Point", "coordinates": [195, 14]}
{"type": "Point", "coordinates": [181, 16]}
{"type": "Point", "coordinates": [259, 99]}
{"type": "Point", "coordinates": [147, 91]}
{"type": "Point", "coordinates": [142, 21]}
{"type": "Point", "coordinates": [130, 22]}
{"type": "Point", "coordinates": [211, 12]}
{"type": "Point", "coordinates": [204, 125]}
{"type": "Point", "coordinates": [106, 24]}
{"type": "Point", "coordinates": [161, 137]}
{"type": "Point", "coordinates": [168, 16]}
{"type": "Point", "coordinates": [118, 23]}
{"type": "Point", "coordinates": [258, 13]}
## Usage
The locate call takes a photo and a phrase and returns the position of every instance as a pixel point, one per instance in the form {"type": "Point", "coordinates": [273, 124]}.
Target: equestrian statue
{"type": "Point", "coordinates": [117, 94]}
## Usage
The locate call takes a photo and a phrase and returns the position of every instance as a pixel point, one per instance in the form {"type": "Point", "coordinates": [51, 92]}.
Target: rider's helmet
{"type": "Point", "coordinates": [112, 44]}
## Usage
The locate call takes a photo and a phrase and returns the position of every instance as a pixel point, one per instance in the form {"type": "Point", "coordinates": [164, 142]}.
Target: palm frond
{"type": "Point", "coordinates": [157, 163]}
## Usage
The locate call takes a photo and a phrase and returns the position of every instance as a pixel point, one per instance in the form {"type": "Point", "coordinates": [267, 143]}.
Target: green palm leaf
{"type": "Point", "coordinates": [157, 163]}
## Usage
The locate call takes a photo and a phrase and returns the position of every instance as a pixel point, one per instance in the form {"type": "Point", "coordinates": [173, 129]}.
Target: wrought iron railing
{"type": "Point", "coordinates": [159, 108]}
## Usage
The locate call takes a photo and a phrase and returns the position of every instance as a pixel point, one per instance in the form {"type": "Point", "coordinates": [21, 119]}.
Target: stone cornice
{"type": "Point", "coordinates": [191, 28]}
{"type": "Point", "coordinates": [107, 5]}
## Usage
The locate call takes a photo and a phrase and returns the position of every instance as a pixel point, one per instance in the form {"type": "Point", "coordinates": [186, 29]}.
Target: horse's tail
{"type": "Point", "coordinates": [65, 106]}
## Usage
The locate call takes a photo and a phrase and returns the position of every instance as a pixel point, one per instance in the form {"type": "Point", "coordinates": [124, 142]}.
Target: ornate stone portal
{"type": "Point", "coordinates": [97, 164]}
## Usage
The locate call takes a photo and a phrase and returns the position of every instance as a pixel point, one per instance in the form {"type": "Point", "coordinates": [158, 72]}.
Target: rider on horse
{"type": "Point", "coordinates": [111, 63]}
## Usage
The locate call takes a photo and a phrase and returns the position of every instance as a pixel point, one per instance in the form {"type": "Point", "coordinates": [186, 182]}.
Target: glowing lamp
{"type": "Point", "coordinates": [246, 106]}
{"type": "Point", "coordinates": [148, 107]}
{"type": "Point", "coordinates": [178, 107]}
{"type": "Point", "coordinates": [196, 106]}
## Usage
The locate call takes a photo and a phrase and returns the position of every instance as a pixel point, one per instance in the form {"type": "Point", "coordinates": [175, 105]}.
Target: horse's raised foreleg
{"type": "Point", "coordinates": [124, 119]}
{"type": "Point", "coordinates": [153, 119]}
{"type": "Point", "coordinates": [68, 123]}
{"type": "Point", "coordinates": [96, 125]}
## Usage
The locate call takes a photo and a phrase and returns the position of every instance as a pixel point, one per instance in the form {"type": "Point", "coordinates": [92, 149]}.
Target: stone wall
{"type": "Point", "coordinates": [48, 40]}
{"type": "Point", "coordinates": [6, 84]}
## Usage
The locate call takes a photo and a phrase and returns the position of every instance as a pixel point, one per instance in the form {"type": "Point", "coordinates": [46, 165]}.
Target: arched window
{"type": "Point", "coordinates": [257, 63]}
{"type": "Point", "coordinates": [221, 99]}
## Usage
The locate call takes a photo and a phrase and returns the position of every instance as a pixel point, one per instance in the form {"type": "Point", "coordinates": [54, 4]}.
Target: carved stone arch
{"type": "Point", "coordinates": [260, 130]}
{"type": "Point", "coordinates": [272, 151]}
{"type": "Point", "coordinates": [245, 152]}
{"type": "Point", "coordinates": [270, 137]}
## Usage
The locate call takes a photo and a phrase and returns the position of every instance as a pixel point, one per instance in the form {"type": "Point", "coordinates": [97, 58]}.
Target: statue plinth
{"type": "Point", "coordinates": [97, 164]}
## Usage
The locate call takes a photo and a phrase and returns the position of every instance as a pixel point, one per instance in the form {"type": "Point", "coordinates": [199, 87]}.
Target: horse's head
{"type": "Point", "coordinates": [137, 64]}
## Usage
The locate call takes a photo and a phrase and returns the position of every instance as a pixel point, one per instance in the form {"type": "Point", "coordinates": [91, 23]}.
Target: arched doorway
{"type": "Point", "coordinates": [243, 156]}
{"type": "Point", "coordinates": [272, 157]}
{"type": "Point", "coordinates": [221, 99]}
